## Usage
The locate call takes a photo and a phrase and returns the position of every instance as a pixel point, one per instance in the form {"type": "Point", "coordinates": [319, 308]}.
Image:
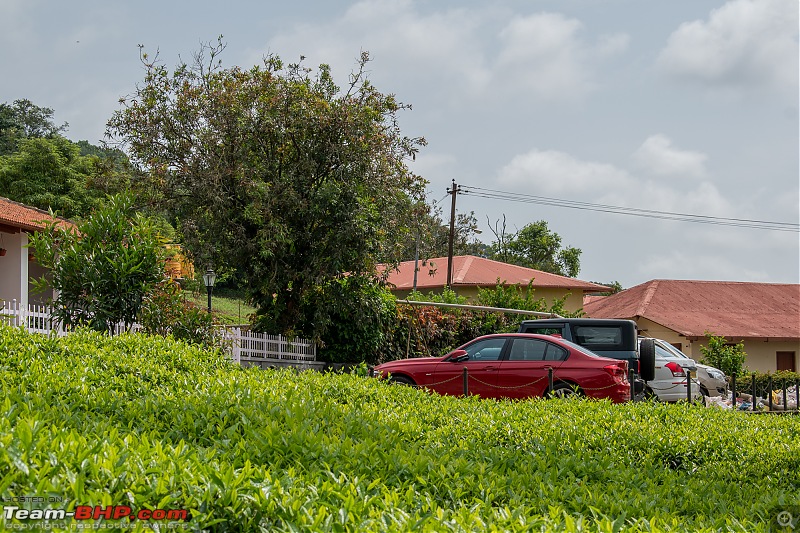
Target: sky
{"type": "Point", "coordinates": [680, 106]}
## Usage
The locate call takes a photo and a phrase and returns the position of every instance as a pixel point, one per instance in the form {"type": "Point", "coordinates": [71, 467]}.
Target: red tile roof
{"type": "Point", "coordinates": [730, 309]}
{"type": "Point", "coordinates": [469, 270]}
{"type": "Point", "coordinates": [22, 217]}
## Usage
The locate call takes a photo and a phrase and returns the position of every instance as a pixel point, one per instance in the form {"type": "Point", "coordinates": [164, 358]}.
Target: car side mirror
{"type": "Point", "coordinates": [459, 356]}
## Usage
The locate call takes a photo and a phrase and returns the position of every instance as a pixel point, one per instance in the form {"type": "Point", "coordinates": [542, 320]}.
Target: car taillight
{"type": "Point", "coordinates": [618, 372]}
{"type": "Point", "coordinates": [676, 369]}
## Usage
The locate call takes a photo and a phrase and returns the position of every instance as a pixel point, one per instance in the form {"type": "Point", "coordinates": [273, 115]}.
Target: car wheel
{"type": "Point", "coordinates": [401, 380]}
{"type": "Point", "coordinates": [649, 395]}
{"type": "Point", "coordinates": [565, 390]}
{"type": "Point", "coordinates": [647, 359]}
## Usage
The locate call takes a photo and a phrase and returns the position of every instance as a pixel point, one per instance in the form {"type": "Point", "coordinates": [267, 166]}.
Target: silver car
{"type": "Point", "coordinates": [712, 380]}
{"type": "Point", "coordinates": [670, 383]}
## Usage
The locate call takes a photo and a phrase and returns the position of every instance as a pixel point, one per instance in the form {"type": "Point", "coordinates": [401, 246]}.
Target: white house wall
{"type": "Point", "coordinates": [14, 268]}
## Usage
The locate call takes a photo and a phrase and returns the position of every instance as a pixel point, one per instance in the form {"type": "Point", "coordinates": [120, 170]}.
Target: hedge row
{"type": "Point", "coordinates": [151, 422]}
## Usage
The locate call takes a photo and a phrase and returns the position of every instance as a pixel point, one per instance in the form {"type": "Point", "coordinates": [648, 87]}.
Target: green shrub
{"type": "Point", "coordinates": [360, 316]}
{"type": "Point", "coordinates": [164, 312]}
{"type": "Point", "coordinates": [744, 381]}
{"type": "Point", "coordinates": [153, 422]}
{"type": "Point", "coordinates": [720, 354]}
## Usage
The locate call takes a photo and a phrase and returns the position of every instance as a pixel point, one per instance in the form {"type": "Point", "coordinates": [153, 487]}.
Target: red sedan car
{"type": "Point", "coordinates": [515, 365]}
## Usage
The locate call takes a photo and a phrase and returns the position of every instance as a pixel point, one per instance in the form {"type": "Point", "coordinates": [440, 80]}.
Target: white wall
{"type": "Point", "coordinates": [14, 268]}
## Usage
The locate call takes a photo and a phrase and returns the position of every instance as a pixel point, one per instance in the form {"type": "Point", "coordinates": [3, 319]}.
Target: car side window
{"type": "Point", "coordinates": [486, 350]}
{"type": "Point", "coordinates": [544, 331]}
{"type": "Point", "coordinates": [555, 353]}
{"type": "Point", "coordinates": [528, 350]}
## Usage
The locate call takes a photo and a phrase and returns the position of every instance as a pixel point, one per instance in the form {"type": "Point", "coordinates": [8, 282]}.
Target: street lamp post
{"type": "Point", "coordinates": [209, 278]}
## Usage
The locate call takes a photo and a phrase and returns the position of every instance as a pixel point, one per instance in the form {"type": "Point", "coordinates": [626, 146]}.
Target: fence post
{"type": "Point", "coordinates": [632, 381]}
{"type": "Point", "coordinates": [688, 386]}
{"type": "Point", "coordinates": [754, 391]}
{"type": "Point", "coordinates": [550, 379]}
{"type": "Point", "coordinates": [466, 382]}
{"type": "Point", "coordinates": [785, 399]}
{"type": "Point", "coordinates": [769, 393]}
{"type": "Point", "coordinates": [797, 395]}
{"type": "Point", "coordinates": [733, 390]}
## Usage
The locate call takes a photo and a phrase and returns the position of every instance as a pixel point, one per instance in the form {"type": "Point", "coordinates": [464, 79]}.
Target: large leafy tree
{"type": "Point", "coordinates": [24, 120]}
{"type": "Point", "coordinates": [274, 170]}
{"type": "Point", "coordinates": [102, 269]}
{"type": "Point", "coordinates": [535, 246]}
{"type": "Point", "coordinates": [50, 173]}
{"type": "Point", "coordinates": [40, 167]}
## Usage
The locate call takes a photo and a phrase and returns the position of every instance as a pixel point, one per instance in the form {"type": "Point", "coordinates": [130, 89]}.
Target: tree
{"type": "Point", "coordinates": [535, 246]}
{"type": "Point", "coordinates": [102, 269]}
{"type": "Point", "coordinates": [727, 357]}
{"type": "Point", "coordinates": [275, 171]}
{"type": "Point", "coordinates": [429, 234]}
{"type": "Point", "coordinates": [24, 120]}
{"type": "Point", "coordinates": [49, 173]}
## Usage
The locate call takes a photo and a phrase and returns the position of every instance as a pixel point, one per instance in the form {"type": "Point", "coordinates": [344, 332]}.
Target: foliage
{"type": "Point", "coordinates": [514, 297]}
{"type": "Point", "coordinates": [614, 286]}
{"type": "Point", "coordinates": [744, 381]}
{"type": "Point", "coordinates": [49, 174]}
{"type": "Point", "coordinates": [420, 331]}
{"type": "Point", "coordinates": [102, 269]}
{"type": "Point", "coordinates": [24, 120]}
{"type": "Point", "coordinates": [164, 312]}
{"type": "Point", "coordinates": [360, 313]}
{"type": "Point", "coordinates": [275, 171]}
{"type": "Point", "coordinates": [720, 354]}
{"type": "Point", "coordinates": [429, 234]}
{"type": "Point", "coordinates": [445, 296]}
{"type": "Point", "coordinates": [535, 246]}
{"type": "Point", "coordinates": [151, 422]}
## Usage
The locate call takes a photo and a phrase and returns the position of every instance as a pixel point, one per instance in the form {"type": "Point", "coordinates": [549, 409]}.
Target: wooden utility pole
{"type": "Point", "coordinates": [453, 192]}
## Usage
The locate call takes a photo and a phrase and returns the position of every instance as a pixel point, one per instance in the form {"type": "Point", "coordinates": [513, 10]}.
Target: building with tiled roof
{"type": "Point", "coordinates": [17, 265]}
{"type": "Point", "coordinates": [765, 316]}
{"type": "Point", "coordinates": [471, 272]}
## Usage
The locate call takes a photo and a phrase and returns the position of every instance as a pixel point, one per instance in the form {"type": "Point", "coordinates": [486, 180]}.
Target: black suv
{"type": "Point", "coordinates": [613, 338]}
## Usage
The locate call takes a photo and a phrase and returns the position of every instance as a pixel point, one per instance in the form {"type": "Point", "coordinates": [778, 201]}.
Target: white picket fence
{"type": "Point", "coordinates": [36, 318]}
{"type": "Point", "coordinates": [250, 347]}
{"type": "Point", "coordinates": [245, 347]}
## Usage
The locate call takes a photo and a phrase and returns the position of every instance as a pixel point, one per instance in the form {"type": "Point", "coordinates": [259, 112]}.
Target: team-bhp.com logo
{"type": "Point", "coordinates": [122, 513]}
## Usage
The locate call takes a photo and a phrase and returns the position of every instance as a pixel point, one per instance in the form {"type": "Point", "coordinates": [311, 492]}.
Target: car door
{"type": "Point", "coordinates": [523, 374]}
{"type": "Point", "coordinates": [482, 364]}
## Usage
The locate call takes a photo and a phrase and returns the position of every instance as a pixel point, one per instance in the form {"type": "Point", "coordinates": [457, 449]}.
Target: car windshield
{"type": "Point", "coordinates": [673, 350]}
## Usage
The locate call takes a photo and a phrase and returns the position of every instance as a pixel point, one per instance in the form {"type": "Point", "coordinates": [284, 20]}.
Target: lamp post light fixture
{"type": "Point", "coordinates": [209, 278]}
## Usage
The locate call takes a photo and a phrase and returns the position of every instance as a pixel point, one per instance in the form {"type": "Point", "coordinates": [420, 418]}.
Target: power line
{"type": "Point", "coordinates": [631, 211]}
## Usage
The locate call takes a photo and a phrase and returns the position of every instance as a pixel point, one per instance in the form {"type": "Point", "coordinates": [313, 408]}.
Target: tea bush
{"type": "Point", "coordinates": [158, 423]}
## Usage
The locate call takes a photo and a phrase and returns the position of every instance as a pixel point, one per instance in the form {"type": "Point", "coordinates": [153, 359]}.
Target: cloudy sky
{"type": "Point", "coordinates": [680, 106]}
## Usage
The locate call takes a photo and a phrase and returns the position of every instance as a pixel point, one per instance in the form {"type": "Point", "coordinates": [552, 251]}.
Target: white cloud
{"type": "Point", "coordinates": [544, 54]}
{"type": "Point", "coordinates": [658, 156]}
{"type": "Point", "coordinates": [440, 48]}
{"type": "Point", "coordinates": [554, 172]}
{"type": "Point", "coordinates": [561, 175]}
{"type": "Point", "coordinates": [745, 43]}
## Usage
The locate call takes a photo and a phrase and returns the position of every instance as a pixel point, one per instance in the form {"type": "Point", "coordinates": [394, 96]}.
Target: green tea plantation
{"type": "Point", "coordinates": [92, 424]}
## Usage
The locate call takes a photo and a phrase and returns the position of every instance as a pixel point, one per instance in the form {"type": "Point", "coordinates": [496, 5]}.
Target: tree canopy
{"type": "Point", "coordinates": [536, 246]}
{"type": "Point", "coordinates": [42, 168]}
{"type": "Point", "coordinates": [24, 120]}
{"type": "Point", "coordinates": [274, 170]}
